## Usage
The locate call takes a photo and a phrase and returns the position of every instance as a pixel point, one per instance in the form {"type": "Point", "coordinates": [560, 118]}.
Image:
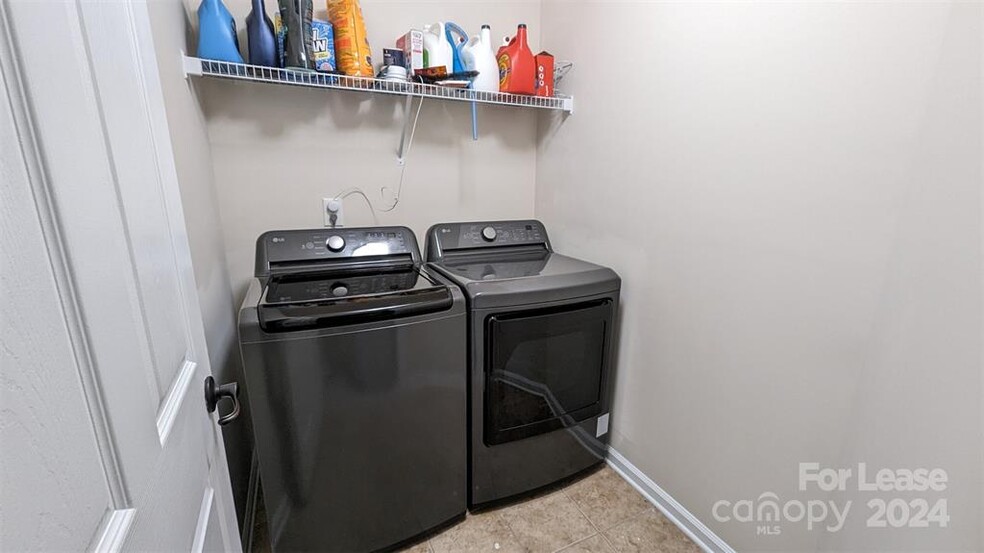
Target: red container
{"type": "Point", "coordinates": [544, 74]}
{"type": "Point", "coordinates": [517, 66]}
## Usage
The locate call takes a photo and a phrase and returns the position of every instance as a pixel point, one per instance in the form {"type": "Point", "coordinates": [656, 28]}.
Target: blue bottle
{"type": "Point", "coordinates": [262, 38]}
{"type": "Point", "coordinates": [217, 33]}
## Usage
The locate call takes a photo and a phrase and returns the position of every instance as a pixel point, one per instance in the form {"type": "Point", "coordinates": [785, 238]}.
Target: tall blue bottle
{"type": "Point", "coordinates": [262, 38]}
{"type": "Point", "coordinates": [217, 33]}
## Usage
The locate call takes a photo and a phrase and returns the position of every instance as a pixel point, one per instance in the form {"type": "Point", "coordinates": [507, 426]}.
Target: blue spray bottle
{"type": "Point", "coordinates": [262, 39]}
{"type": "Point", "coordinates": [217, 33]}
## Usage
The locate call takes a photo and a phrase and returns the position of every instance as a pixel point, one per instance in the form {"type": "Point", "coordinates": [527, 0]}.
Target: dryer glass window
{"type": "Point", "coordinates": [545, 369]}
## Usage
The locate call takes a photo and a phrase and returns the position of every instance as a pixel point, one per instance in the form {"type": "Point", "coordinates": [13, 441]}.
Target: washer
{"type": "Point", "coordinates": [541, 331]}
{"type": "Point", "coordinates": [354, 360]}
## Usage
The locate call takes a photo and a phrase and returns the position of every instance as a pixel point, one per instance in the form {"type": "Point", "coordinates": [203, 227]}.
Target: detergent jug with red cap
{"type": "Point", "coordinates": [517, 68]}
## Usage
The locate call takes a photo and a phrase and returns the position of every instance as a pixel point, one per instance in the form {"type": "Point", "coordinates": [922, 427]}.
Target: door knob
{"type": "Point", "coordinates": [213, 394]}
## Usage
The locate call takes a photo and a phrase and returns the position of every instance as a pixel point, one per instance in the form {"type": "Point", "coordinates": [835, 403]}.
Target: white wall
{"type": "Point", "coordinates": [792, 195]}
{"type": "Point", "coordinates": [172, 24]}
{"type": "Point", "coordinates": [277, 151]}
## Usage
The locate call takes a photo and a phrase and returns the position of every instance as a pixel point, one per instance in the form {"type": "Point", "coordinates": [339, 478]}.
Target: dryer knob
{"type": "Point", "coordinates": [335, 243]}
{"type": "Point", "coordinates": [488, 233]}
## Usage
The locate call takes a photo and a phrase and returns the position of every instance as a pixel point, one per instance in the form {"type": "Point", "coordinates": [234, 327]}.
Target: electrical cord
{"type": "Point", "coordinates": [357, 191]}
{"type": "Point", "coordinates": [399, 188]}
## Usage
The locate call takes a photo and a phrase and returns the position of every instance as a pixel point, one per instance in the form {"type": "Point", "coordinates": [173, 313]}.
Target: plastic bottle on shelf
{"type": "Point", "coordinates": [456, 38]}
{"type": "Point", "coordinates": [503, 46]}
{"type": "Point", "coordinates": [517, 67]}
{"type": "Point", "coordinates": [296, 15]}
{"type": "Point", "coordinates": [477, 56]}
{"type": "Point", "coordinates": [262, 38]}
{"type": "Point", "coordinates": [437, 49]}
{"type": "Point", "coordinates": [217, 33]}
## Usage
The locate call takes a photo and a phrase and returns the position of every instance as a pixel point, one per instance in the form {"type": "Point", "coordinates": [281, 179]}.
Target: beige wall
{"type": "Point", "coordinates": [171, 24]}
{"type": "Point", "coordinates": [792, 195]}
{"type": "Point", "coordinates": [278, 151]}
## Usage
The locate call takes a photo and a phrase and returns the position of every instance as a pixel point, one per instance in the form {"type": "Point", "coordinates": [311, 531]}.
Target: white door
{"type": "Point", "coordinates": [106, 442]}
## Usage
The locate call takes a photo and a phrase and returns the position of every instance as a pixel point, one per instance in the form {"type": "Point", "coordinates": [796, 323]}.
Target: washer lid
{"type": "Point", "coordinates": [517, 278]}
{"type": "Point", "coordinates": [312, 300]}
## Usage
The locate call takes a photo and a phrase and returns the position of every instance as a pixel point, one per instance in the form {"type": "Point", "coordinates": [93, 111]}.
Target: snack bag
{"type": "Point", "coordinates": [352, 54]}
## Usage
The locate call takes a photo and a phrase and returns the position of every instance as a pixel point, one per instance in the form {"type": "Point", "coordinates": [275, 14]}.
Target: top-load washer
{"type": "Point", "coordinates": [354, 359]}
{"type": "Point", "coordinates": [541, 331]}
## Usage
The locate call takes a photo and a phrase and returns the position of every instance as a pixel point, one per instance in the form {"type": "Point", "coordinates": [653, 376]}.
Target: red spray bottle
{"type": "Point", "coordinates": [517, 68]}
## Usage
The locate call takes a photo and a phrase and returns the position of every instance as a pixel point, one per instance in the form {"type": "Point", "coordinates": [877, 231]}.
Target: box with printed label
{"type": "Point", "coordinates": [544, 74]}
{"type": "Point", "coordinates": [412, 45]}
{"type": "Point", "coordinates": [324, 45]}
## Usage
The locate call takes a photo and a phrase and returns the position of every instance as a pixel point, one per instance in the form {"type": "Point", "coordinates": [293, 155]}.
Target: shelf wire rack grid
{"type": "Point", "coordinates": [257, 73]}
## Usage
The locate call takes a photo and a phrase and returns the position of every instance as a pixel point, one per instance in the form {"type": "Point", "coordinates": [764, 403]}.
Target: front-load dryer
{"type": "Point", "coordinates": [541, 338]}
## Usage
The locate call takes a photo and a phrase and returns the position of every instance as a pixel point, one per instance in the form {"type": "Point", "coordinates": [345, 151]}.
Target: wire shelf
{"type": "Point", "coordinates": [257, 73]}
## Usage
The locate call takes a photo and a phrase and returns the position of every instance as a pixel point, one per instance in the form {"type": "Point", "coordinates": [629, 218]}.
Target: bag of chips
{"type": "Point", "coordinates": [352, 54]}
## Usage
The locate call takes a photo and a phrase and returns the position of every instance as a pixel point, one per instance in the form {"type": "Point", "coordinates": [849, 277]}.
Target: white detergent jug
{"type": "Point", "coordinates": [437, 49]}
{"type": "Point", "coordinates": [477, 55]}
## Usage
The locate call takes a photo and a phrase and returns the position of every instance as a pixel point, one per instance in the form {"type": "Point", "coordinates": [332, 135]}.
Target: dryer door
{"type": "Point", "coordinates": [545, 369]}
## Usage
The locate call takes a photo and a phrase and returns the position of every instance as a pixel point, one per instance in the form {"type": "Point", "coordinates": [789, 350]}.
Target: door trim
{"type": "Point", "coordinates": [208, 498]}
{"type": "Point", "coordinates": [113, 531]}
{"type": "Point", "coordinates": [171, 405]}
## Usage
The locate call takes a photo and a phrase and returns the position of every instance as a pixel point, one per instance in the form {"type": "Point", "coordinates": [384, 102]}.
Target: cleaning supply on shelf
{"type": "Point", "coordinates": [477, 55]}
{"type": "Point", "coordinates": [217, 33]}
{"type": "Point", "coordinates": [295, 17]}
{"type": "Point", "coordinates": [437, 49]}
{"type": "Point", "coordinates": [323, 45]}
{"type": "Point", "coordinates": [544, 74]}
{"type": "Point", "coordinates": [352, 52]}
{"type": "Point", "coordinates": [393, 73]}
{"type": "Point", "coordinates": [456, 38]}
{"type": "Point", "coordinates": [261, 36]}
{"type": "Point", "coordinates": [503, 46]}
{"type": "Point", "coordinates": [517, 67]}
{"type": "Point", "coordinates": [412, 44]}
{"type": "Point", "coordinates": [393, 56]}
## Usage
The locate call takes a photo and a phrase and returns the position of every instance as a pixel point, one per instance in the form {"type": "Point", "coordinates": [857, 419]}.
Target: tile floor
{"type": "Point", "coordinates": [598, 513]}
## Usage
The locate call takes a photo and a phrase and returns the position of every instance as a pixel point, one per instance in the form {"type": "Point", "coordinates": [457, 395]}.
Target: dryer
{"type": "Point", "coordinates": [541, 338]}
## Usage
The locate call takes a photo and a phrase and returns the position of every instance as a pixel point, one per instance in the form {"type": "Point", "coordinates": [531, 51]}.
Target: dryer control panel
{"type": "Point", "coordinates": [448, 237]}
{"type": "Point", "coordinates": [324, 248]}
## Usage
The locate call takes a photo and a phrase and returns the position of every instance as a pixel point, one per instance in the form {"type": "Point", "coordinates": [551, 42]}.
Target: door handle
{"type": "Point", "coordinates": [213, 394]}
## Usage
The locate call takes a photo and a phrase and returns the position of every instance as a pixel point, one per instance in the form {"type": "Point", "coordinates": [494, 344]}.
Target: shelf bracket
{"type": "Point", "coordinates": [192, 66]}
{"type": "Point", "coordinates": [474, 115]}
{"type": "Point", "coordinates": [407, 105]}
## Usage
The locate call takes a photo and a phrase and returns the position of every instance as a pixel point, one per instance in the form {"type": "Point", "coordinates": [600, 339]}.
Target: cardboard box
{"type": "Point", "coordinates": [323, 45]}
{"type": "Point", "coordinates": [544, 74]}
{"type": "Point", "coordinates": [412, 45]}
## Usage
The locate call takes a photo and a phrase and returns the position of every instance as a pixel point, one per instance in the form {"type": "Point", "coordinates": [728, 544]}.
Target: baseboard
{"type": "Point", "coordinates": [249, 517]}
{"type": "Point", "coordinates": [678, 515]}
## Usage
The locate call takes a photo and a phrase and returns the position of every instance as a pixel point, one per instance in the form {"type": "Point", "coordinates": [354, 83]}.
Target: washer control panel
{"type": "Point", "coordinates": [320, 289]}
{"type": "Point", "coordinates": [448, 237]}
{"type": "Point", "coordinates": [338, 244]}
